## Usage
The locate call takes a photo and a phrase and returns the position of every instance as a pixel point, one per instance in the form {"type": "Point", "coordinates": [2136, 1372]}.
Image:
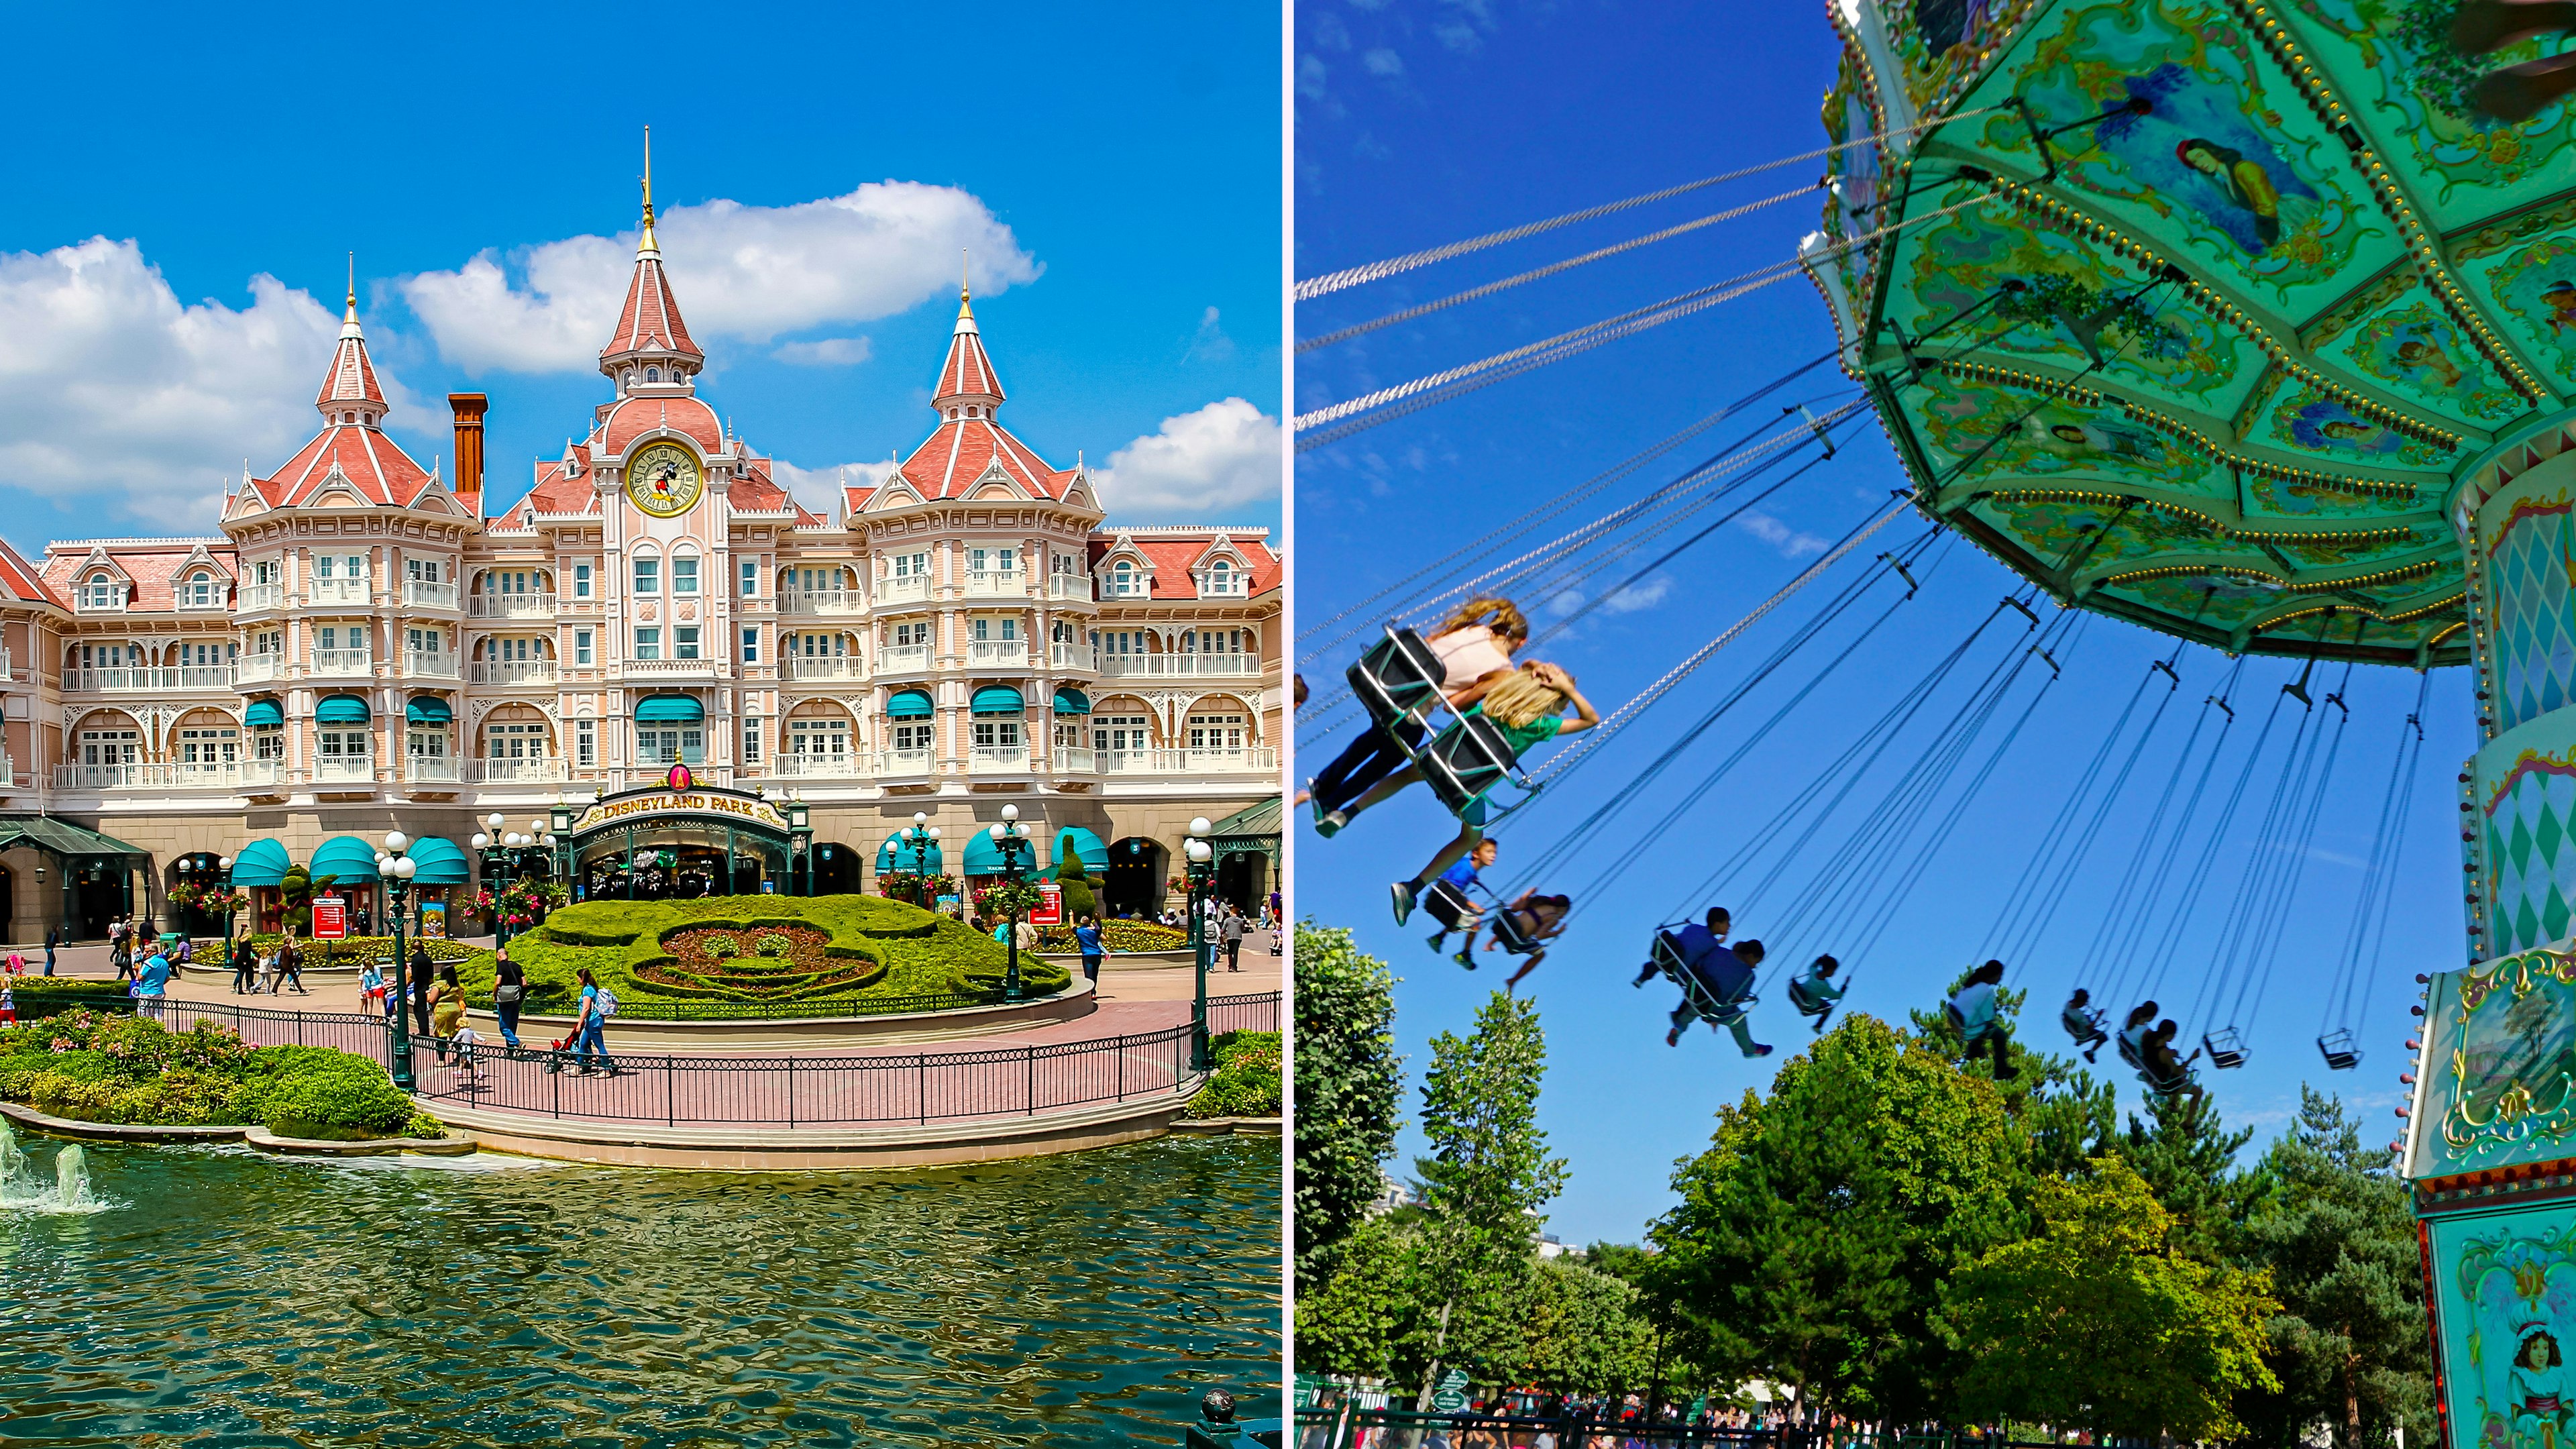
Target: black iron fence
{"type": "Point", "coordinates": [880, 1089]}
{"type": "Point", "coordinates": [1353, 1423]}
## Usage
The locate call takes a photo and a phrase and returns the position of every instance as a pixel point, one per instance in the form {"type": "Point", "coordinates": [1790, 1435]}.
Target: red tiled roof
{"type": "Point", "coordinates": [375, 466]}
{"type": "Point", "coordinates": [23, 580]}
{"type": "Point", "coordinates": [352, 377]}
{"type": "Point", "coordinates": [651, 321]}
{"type": "Point", "coordinates": [1174, 555]}
{"type": "Point", "coordinates": [631, 418]}
{"type": "Point", "coordinates": [757, 492]}
{"type": "Point", "coordinates": [956, 455]}
{"type": "Point", "coordinates": [154, 568]}
{"type": "Point", "coordinates": [558, 492]}
{"type": "Point", "coordinates": [968, 372]}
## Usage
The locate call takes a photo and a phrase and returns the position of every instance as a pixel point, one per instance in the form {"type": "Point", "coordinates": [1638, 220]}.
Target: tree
{"type": "Point", "coordinates": [1348, 1078]}
{"type": "Point", "coordinates": [2067, 1116]}
{"type": "Point", "coordinates": [1584, 1331]}
{"type": "Point", "coordinates": [1364, 1317]}
{"type": "Point", "coordinates": [2097, 1321]}
{"type": "Point", "coordinates": [1073, 881]}
{"type": "Point", "coordinates": [2189, 1159]}
{"type": "Point", "coordinates": [1813, 1234]}
{"type": "Point", "coordinates": [2336, 1233]}
{"type": "Point", "coordinates": [1482, 1185]}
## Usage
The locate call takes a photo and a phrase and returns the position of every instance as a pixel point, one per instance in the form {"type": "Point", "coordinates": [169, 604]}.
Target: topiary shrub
{"type": "Point", "coordinates": [774, 944]}
{"type": "Point", "coordinates": [723, 946]}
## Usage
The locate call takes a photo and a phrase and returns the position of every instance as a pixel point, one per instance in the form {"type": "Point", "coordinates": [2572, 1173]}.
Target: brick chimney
{"type": "Point", "coordinates": [469, 408]}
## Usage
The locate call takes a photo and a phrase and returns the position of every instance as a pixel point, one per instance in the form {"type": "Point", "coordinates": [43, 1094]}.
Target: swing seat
{"type": "Point", "coordinates": [1468, 759]}
{"type": "Point", "coordinates": [1803, 1003]}
{"type": "Point", "coordinates": [2226, 1050]}
{"type": "Point", "coordinates": [1446, 903]}
{"type": "Point", "coordinates": [1511, 935]}
{"type": "Point", "coordinates": [2166, 1087]}
{"type": "Point", "coordinates": [1722, 993]}
{"type": "Point", "coordinates": [2092, 1031]}
{"type": "Point", "coordinates": [2129, 1053]}
{"type": "Point", "coordinates": [2341, 1053]}
{"type": "Point", "coordinates": [1399, 677]}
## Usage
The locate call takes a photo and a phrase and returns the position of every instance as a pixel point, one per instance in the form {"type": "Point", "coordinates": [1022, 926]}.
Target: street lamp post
{"type": "Point", "coordinates": [1201, 868]}
{"type": "Point", "coordinates": [394, 869]}
{"type": "Point", "coordinates": [921, 835]}
{"type": "Point", "coordinates": [1010, 841]}
{"type": "Point", "coordinates": [224, 883]}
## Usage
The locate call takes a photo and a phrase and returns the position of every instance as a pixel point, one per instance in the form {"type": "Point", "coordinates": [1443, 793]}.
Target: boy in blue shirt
{"type": "Point", "coordinates": [1458, 878]}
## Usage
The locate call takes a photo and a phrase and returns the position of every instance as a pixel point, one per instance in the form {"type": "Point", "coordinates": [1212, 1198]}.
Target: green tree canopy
{"type": "Point", "coordinates": [1813, 1234]}
{"type": "Point", "coordinates": [2096, 1320]}
{"type": "Point", "coordinates": [1348, 1077]}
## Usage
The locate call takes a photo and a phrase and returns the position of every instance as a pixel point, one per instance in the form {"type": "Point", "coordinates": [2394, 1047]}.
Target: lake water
{"type": "Point", "coordinates": [213, 1296]}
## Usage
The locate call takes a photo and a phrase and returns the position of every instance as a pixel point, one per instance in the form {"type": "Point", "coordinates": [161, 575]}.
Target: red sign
{"type": "Point", "coordinates": [679, 778]}
{"type": "Point", "coordinates": [330, 919]}
{"type": "Point", "coordinates": [1050, 911]}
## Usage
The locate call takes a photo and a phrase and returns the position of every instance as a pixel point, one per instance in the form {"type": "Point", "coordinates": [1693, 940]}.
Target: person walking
{"type": "Point", "coordinates": [446, 1007]}
{"type": "Point", "coordinates": [120, 948]}
{"type": "Point", "coordinates": [53, 934]}
{"type": "Point", "coordinates": [587, 1042]}
{"type": "Point", "coordinates": [509, 990]}
{"type": "Point", "coordinates": [1231, 933]}
{"type": "Point", "coordinates": [290, 967]}
{"type": "Point", "coordinates": [371, 989]}
{"type": "Point", "coordinates": [422, 970]}
{"type": "Point", "coordinates": [1087, 939]}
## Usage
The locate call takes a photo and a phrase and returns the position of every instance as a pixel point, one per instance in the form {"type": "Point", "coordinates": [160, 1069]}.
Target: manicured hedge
{"type": "Point", "coordinates": [909, 951]}
{"type": "Point", "coordinates": [110, 1067]}
{"type": "Point", "coordinates": [1118, 936]}
{"type": "Point", "coordinates": [354, 951]}
{"type": "Point", "coordinates": [1246, 1080]}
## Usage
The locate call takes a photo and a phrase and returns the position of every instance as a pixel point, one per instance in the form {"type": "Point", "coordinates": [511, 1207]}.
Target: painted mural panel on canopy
{"type": "Point", "coordinates": [1943, 45]}
{"type": "Point", "coordinates": [2525, 266]}
{"type": "Point", "coordinates": [2527, 795]}
{"type": "Point", "coordinates": [2393, 63]}
{"type": "Point", "coordinates": [2304, 421]}
{"type": "Point", "coordinates": [2319, 499]}
{"type": "Point", "coordinates": [2500, 1045]}
{"type": "Point", "coordinates": [2429, 540]}
{"type": "Point", "coordinates": [2238, 601]}
{"type": "Point", "coordinates": [1853, 177]}
{"type": "Point", "coordinates": [2070, 310]}
{"type": "Point", "coordinates": [2226, 164]}
{"type": "Point", "coordinates": [2038, 437]}
{"type": "Point", "coordinates": [2505, 1286]}
{"type": "Point", "coordinates": [2050, 529]}
{"type": "Point", "coordinates": [2396, 335]}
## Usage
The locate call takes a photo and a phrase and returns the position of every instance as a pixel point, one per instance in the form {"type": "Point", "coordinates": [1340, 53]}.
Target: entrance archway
{"type": "Point", "coordinates": [836, 870]}
{"type": "Point", "coordinates": [1134, 878]}
{"type": "Point", "coordinates": [1240, 875]}
{"type": "Point", "coordinates": [663, 844]}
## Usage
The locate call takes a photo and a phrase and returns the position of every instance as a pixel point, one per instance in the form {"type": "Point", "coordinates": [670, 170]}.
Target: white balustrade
{"type": "Point", "coordinates": [262, 596]}
{"type": "Point", "coordinates": [910, 589]}
{"type": "Point", "coordinates": [510, 606]}
{"type": "Point", "coordinates": [824, 666]}
{"type": "Point", "coordinates": [344, 770]}
{"type": "Point", "coordinates": [904, 762]}
{"type": "Point", "coordinates": [424, 664]}
{"type": "Point", "coordinates": [1181, 666]}
{"type": "Point", "coordinates": [516, 772]}
{"type": "Point", "coordinates": [903, 658]}
{"type": "Point", "coordinates": [1075, 760]}
{"type": "Point", "coordinates": [996, 584]}
{"type": "Point", "coordinates": [510, 671]}
{"type": "Point", "coordinates": [230, 775]}
{"type": "Point", "coordinates": [822, 601]}
{"type": "Point", "coordinates": [1078, 657]}
{"type": "Point", "coordinates": [658, 669]}
{"type": "Point", "coordinates": [1069, 586]}
{"type": "Point", "coordinates": [997, 759]}
{"type": "Point", "coordinates": [257, 668]}
{"type": "Point", "coordinates": [337, 591]}
{"type": "Point", "coordinates": [343, 661]}
{"type": "Point", "coordinates": [420, 594]}
{"type": "Point", "coordinates": [430, 770]}
{"type": "Point", "coordinates": [202, 676]}
{"type": "Point", "coordinates": [997, 654]}
{"type": "Point", "coordinates": [797, 764]}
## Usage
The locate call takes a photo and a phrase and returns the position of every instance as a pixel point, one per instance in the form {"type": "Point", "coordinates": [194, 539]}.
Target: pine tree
{"type": "Point", "coordinates": [2189, 1158]}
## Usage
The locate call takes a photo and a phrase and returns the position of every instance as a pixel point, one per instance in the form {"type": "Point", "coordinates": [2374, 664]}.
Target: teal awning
{"type": "Point", "coordinates": [263, 712]}
{"type": "Point", "coordinates": [1072, 701]}
{"type": "Point", "coordinates": [1074, 840]}
{"type": "Point", "coordinates": [670, 709]}
{"type": "Point", "coordinates": [440, 862]}
{"type": "Point", "coordinates": [983, 857]}
{"type": "Point", "coordinates": [428, 710]}
{"type": "Point", "coordinates": [341, 709]}
{"type": "Point", "coordinates": [908, 704]}
{"type": "Point", "coordinates": [262, 862]}
{"type": "Point", "coordinates": [893, 857]}
{"type": "Point", "coordinates": [347, 859]}
{"type": "Point", "coordinates": [998, 699]}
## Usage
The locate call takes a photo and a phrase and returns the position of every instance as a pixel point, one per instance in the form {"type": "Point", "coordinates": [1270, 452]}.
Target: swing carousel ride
{"type": "Point", "coordinates": [2251, 322]}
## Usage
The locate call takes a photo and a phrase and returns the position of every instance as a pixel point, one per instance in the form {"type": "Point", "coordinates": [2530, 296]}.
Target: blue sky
{"type": "Point", "coordinates": [1118, 184]}
{"type": "Point", "coordinates": [1419, 125]}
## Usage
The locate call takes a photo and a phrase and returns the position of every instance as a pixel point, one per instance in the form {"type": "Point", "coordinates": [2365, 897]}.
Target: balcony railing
{"type": "Point", "coordinates": [1262, 760]}
{"type": "Point", "coordinates": [1075, 760]}
{"type": "Point", "coordinates": [344, 661]}
{"type": "Point", "coordinates": [671, 668]}
{"type": "Point", "coordinates": [902, 658]}
{"type": "Point", "coordinates": [997, 759]}
{"type": "Point", "coordinates": [997, 654]}
{"type": "Point", "coordinates": [422, 595]}
{"type": "Point", "coordinates": [822, 601]}
{"type": "Point", "coordinates": [510, 671]}
{"type": "Point", "coordinates": [345, 770]}
{"type": "Point", "coordinates": [910, 589]}
{"type": "Point", "coordinates": [1072, 656]}
{"type": "Point", "coordinates": [1194, 666]}
{"type": "Point", "coordinates": [510, 606]}
{"type": "Point", "coordinates": [117, 680]}
{"type": "Point", "coordinates": [222, 775]}
{"type": "Point", "coordinates": [430, 770]}
{"type": "Point", "coordinates": [202, 676]}
{"type": "Point", "coordinates": [337, 591]}
{"type": "Point", "coordinates": [256, 668]}
{"type": "Point", "coordinates": [422, 664]}
{"type": "Point", "coordinates": [1069, 586]}
{"type": "Point", "coordinates": [262, 596]}
{"type": "Point", "coordinates": [996, 584]}
{"type": "Point", "coordinates": [819, 666]}
{"type": "Point", "coordinates": [796, 764]}
{"type": "Point", "coordinates": [515, 772]}
{"type": "Point", "coordinates": [904, 762]}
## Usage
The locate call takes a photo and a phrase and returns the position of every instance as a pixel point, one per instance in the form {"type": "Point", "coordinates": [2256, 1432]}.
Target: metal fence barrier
{"type": "Point", "coordinates": [1351, 1424]}
{"type": "Point", "coordinates": [780, 1091]}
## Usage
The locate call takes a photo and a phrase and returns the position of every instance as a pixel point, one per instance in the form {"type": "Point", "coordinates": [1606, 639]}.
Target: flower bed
{"type": "Point", "coordinates": [1246, 1080]}
{"type": "Point", "coordinates": [110, 1067]}
{"type": "Point", "coordinates": [1118, 936]}
{"type": "Point", "coordinates": [355, 950]}
{"type": "Point", "coordinates": [660, 956]}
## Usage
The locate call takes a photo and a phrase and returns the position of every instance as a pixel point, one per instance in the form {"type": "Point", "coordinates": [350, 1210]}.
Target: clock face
{"type": "Point", "coordinates": [664, 479]}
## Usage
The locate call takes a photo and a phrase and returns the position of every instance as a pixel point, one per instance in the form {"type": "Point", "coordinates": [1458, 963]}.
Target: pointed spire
{"type": "Point", "coordinates": [349, 391]}
{"type": "Point", "coordinates": [966, 379]}
{"type": "Point", "coordinates": [650, 331]}
{"type": "Point", "coordinates": [646, 243]}
{"type": "Point", "coordinates": [965, 293]}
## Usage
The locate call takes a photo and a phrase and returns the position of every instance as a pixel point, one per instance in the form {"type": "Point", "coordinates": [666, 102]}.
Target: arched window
{"type": "Point", "coordinates": [652, 374]}
{"type": "Point", "coordinates": [952, 415]}
{"type": "Point", "coordinates": [974, 412]}
{"type": "Point", "coordinates": [1122, 580]}
{"type": "Point", "coordinates": [100, 592]}
{"type": "Point", "coordinates": [200, 590]}
{"type": "Point", "coordinates": [1220, 577]}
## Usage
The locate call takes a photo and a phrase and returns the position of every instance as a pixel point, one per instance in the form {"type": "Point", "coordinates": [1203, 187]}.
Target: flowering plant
{"type": "Point", "coordinates": [1007, 898]}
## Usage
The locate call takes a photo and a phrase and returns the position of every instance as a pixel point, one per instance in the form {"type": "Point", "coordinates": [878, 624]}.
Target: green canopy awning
{"type": "Point", "coordinates": [892, 857]}
{"type": "Point", "coordinates": [998, 699]}
{"type": "Point", "coordinates": [261, 863]}
{"type": "Point", "coordinates": [1082, 844]}
{"type": "Point", "coordinates": [1254, 827]}
{"type": "Point", "coordinates": [670, 709]}
{"type": "Point", "coordinates": [1069, 700]}
{"type": "Point", "coordinates": [908, 704]}
{"type": "Point", "coordinates": [438, 862]}
{"type": "Point", "coordinates": [428, 710]}
{"type": "Point", "coordinates": [263, 712]}
{"type": "Point", "coordinates": [341, 709]}
{"type": "Point", "coordinates": [44, 832]}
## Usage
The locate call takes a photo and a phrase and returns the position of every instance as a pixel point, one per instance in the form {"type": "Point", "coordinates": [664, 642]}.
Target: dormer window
{"type": "Point", "coordinates": [100, 592]}
{"type": "Point", "coordinates": [952, 415]}
{"type": "Point", "coordinates": [652, 374]}
{"type": "Point", "coordinates": [1124, 582]}
{"type": "Point", "coordinates": [974, 412]}
{"type": "Point", "coordinates": [1220, 577]}
{"type": "Point", "coordinates": [200, 590]}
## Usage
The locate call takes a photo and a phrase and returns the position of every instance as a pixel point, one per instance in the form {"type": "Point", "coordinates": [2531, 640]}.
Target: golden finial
{"type": "Point", "coordinates": [646, 242]}
{"type": "Point", "coordinates": [965, 295]}
{"type": "Point", "coordinates": [353, 281]}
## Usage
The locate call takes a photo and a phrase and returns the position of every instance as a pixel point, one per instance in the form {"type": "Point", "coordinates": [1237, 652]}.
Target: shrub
{"type": "Point", "coordinates": [1119, 936]}
{"type": "Point", "coordinates": [723, 946]}
{"type": "Point", "coordinates": [1245, 1082]}
{"type": "Point", "coordinates": [774, 944]}
{"type": "Point", "coordinates": [104, 1067]}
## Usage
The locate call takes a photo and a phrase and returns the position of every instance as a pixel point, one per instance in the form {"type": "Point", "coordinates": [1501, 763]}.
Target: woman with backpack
{"type": "Point", "coordinates": [598, 1004]}
{"type": "Point", "coordinates": [509, 989]}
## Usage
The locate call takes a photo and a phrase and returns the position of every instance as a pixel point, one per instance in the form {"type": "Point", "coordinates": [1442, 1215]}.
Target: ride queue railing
{"type": "Point", "coordinates": [744, 1091]}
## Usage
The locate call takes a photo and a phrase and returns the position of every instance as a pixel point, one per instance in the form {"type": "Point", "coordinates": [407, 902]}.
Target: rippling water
{"type": "Point", "coordinates": [225, 1298]}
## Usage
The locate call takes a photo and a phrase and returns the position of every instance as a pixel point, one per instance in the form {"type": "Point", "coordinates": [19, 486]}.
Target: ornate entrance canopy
{"type": "Point", "coordinates": [684, 839]}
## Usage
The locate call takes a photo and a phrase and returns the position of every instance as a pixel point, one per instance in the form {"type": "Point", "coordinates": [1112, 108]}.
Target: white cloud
{"type": "Point", "coordinates": [114, 391]}
{"type": "Point", "coordinates": [738, 272]}
{"type": "Point", "coordinates": [1640, 596]}
{"type": "Point", "coordinates": [1781, 536]}
{"type": "Point", "coordinates": [820, 488]}
{"type": "Point", "coordinates": [1197, 465]}
{"type": "Point", "coordinates": [1382, 62]}
{"type": "Point", "coordinates": [1210, 344]}
{"type": "Point", "coordinates": [827, 352]}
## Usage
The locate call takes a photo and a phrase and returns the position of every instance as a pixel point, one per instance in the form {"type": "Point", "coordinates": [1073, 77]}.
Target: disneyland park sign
{"type": "Point", "coordinates": [679, 797]}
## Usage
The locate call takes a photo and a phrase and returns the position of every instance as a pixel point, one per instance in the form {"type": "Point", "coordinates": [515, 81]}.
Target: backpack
{"type": "Point", "coordinates": [605, 1004]}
